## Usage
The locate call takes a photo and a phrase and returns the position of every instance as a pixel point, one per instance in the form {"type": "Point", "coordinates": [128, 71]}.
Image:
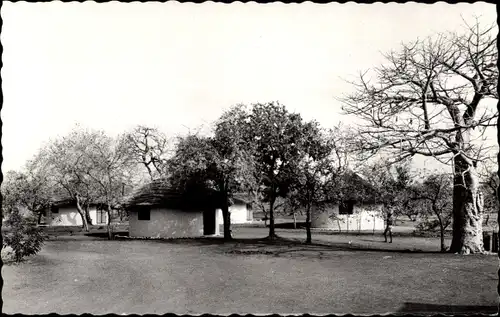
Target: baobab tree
{"type": "Point", "coordinates": [432, 99]}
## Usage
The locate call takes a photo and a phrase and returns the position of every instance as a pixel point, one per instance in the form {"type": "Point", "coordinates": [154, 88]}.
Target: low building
{"type": "Point", "coordinates": [63, 212]}
{"type": "Point", "coordinates": [349, 216]}
{"type": "Point", "coordinates": [159, 211]}
{"type": "Point", "coordinates": [356, 210]}
{"type": "Point", "coordinates": [241, 209]}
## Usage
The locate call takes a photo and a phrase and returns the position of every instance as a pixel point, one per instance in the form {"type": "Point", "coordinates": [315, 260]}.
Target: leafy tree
{"type": "Point", "coordinates": [27, 189]}
{"type": "Point", "coordinates": [109, 170]}
{"type": "Point", "coordinates": [22, 235]}
{"type": "Point", "coordinates": [68, 164]}
{"type": "Point", "coordinates": [431, 99]}
{"type": "Point", "coordinates": [274, 136]}
{"type": "Point", "coordinates": [220, 163]}
{"type": "Point", "coordinates": [435, 195]}
{"type": "Point", "coordinates": [489, 188]}
{"type": "Point", "coordinates": [89, 167]}
{"type": "Point", "coordinates": [312, 172]}
{"type": "Point", "coordinates": [393, 186]}
{"type": "Point", "coordinates": [149, 147]}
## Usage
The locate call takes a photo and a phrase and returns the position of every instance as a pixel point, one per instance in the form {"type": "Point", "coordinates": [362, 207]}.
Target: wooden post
{"type": "Point", "coordinates": [347, 217]}
{"type": "Point", "coordinates": [487, 241]}
{"type": "Point", "coordinates": [374, 224]}
{"type": "Point", "coordinates": [495, 242]}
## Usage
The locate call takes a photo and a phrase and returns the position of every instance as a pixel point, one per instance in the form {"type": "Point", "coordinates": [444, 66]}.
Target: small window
{"type": "Point", "coordinates": [346, 208]}
{"type": "Point", "coordinates": [144, 214]}
{"type": "Point", "coordinates": [101, 216]}
{"type": "Point", "coordinates": [54, 209]}
{"type": "Point", "coordinates": [249, 212]}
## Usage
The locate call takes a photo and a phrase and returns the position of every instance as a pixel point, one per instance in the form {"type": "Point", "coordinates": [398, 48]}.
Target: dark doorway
{"type": "Point", "coordinates": [209, 222]}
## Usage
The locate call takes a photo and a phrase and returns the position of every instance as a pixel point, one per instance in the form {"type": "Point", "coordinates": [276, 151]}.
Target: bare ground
{"type": "Point", "coordinates": [78, 274]}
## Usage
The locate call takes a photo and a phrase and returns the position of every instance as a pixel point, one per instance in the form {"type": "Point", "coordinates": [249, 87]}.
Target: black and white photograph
{"type": "Point", "coordinates": [249, 158]}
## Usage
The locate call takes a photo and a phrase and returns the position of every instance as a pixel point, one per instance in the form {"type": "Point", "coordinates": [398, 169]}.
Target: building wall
{"type": "Point", "coordinates": [69, 216]}
{"type": "Point", "coordinates": [239, 213]}
{"type": "Point", "coordinates": [219, 221]}
{"type": "Point", "coordinates": [364, 218]}
{"type": "Point", "coordinates": [167, 223]}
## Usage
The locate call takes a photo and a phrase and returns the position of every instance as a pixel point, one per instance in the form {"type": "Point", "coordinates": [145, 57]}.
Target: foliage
{"type": "Point", "coordinates": [489, 186]}
{"type": "Point", "coordinates": [28, 189]}
{"type": "Point", "coordinates": [435, 196]}
{"type": "Point", "coordinates": [392, 186]}
{"type": "Point", "coordinates": [87, 167]}
{"type": "Point", "coordinates": [219, 163]}
{"type": "Point", "coordinates": [313, 172]}
{"type": "Point", "coordinates": [22, 235]}
{"type": "Point", "coordinates": [274, 137]}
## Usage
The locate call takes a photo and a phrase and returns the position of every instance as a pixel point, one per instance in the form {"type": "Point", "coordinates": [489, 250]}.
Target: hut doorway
{"type": "Point", "coordinates": [209, 222]}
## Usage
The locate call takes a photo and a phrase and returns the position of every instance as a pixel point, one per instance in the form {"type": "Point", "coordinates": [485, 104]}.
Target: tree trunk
{"type": "Point", "coordinates": [85, 225]}
{"type": "Point", "coordinates": [39, 218]}
{"type": "Point", "coordinates": [443, 247]}
{"type": "Point", "coordinates": [226, 218]}
{"type": "Point", "coordinates": [373, 230]}
{"type": "Point", "coordinates": [347, 227]}
{"type": "Point", "coordinates": [308, 225]}
{"type": "Point", "coordinates": [272, 233]}
{"type": "Point", "coordinates": [441, 226]}
{"type": "Point", "coordinates": [87, 214]}
{"type": "Point", "coordinates": [294, 220]}
{"type": "Point", "coordinates": [108, 222]}
{"type": "Point", "coordinates": [467, 217]}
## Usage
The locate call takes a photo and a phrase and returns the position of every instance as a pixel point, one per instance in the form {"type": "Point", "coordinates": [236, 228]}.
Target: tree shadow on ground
{"type": "Point", "coordinates": [423, 308]}
{"type": "Point", "coordinates": [281, 246]}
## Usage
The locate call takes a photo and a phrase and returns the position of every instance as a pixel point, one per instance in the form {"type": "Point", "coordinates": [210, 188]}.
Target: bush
{"type": "Point", "coordinates": [7, 254]}
{"type": "Point", "coordinates": [22, 236]}
{"type": "Point", "coordinates": [428, 225]}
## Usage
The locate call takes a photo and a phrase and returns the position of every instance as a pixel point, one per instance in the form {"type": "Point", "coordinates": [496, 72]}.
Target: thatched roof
{"type": "Point", "coordinates": [160, 194]}
{"type": "Point", "coordinates": [357, 188]}
{"type": "Point", "coordinates": [242, 198]}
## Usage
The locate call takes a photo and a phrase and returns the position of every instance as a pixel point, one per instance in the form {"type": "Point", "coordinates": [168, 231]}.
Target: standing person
{"type": "Point", "coordinates": [388, 227]}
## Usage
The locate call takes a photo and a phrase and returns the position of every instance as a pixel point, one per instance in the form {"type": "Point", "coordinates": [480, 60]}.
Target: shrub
{"type": "Point", "coordinates": [428, 225]}
{"type": "Point", "coordinates": [22, 236]}
{"type": "Point", "coordinates": [7, 254]}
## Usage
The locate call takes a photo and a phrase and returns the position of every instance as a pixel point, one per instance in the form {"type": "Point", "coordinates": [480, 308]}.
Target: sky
{"type": "Point", "coordinates": [177, 67]}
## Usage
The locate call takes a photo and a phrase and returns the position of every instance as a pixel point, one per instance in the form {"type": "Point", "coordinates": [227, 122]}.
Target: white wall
{"type": "Point", "coordinates": [69, 216]}
{"type": "Point", "coordinates": [218, 221]}
{"type": "Point", "coordinates": [93, 216]}
{"type": "Point", "coordinates": [364, 218]}
{"type": "Point", "coordinates": [239, 213]}
{"type": "Point", "coordinates": [167, 223]}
